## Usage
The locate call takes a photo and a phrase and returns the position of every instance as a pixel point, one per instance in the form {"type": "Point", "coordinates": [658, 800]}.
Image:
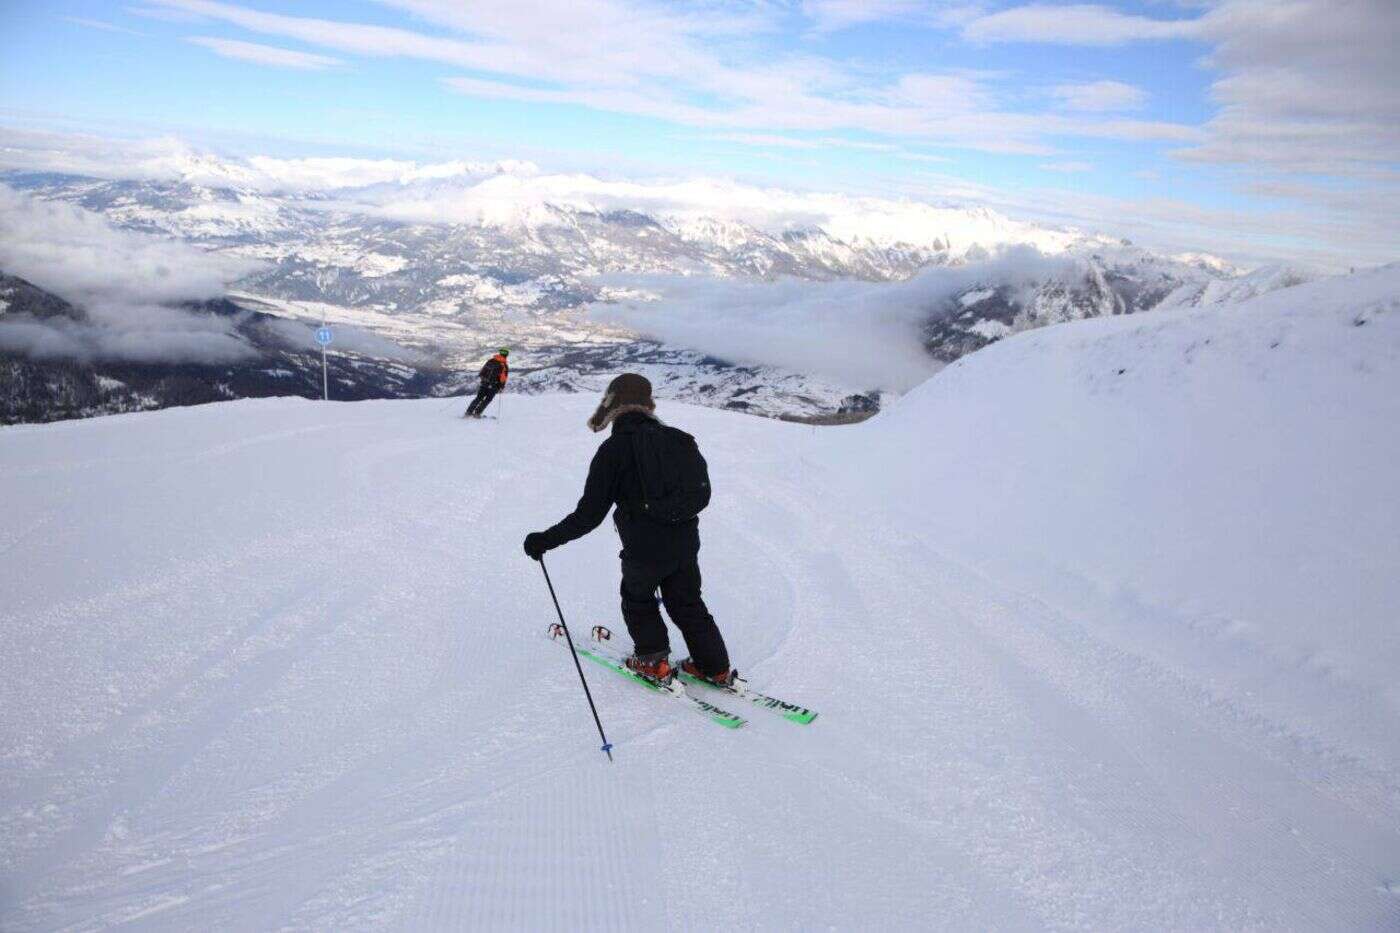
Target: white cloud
{"type": "Point", "coordinates": [331, 174]}
{"type": "Point", "coordinates": [1310, 86]}
{"type": "Point", "coordinates": [1074, 24]}
{"type": "Point", "coordinates": [1099, 96]}
{"type": "Point", "coordinates": [1306, 88]}
{"type": "Point", "coordinates": [765, 140]}
{"type": "Point", "coordinates": [515, 200]}
{"type": "Point", "coordinates": [1325, 226]}
{"type": "Point", "coordinates": [1067, 167]}
{"type": "Point", "coordinates": [75, 253]}
{"type": "Point", "coordinates": [266, 54]}
{"type": "Point", "coordinates": [771, 140]}
{"type": "Point", "coordinates": [799, 325]}
{"type": "Point", "coordinates": [922, 157]}
{"type": "Point", "coordinates": [131, 333]}
{"type": "Point", "coordinates": [121, 279]}
{"type": "Point", "coordinates": [102, 25]}
{"type": "Point", "coordinates": [698, 69]}
{"type": "Point", "coordinates": [833, 15]}
{"type": "Point", "coordinates": [170, 159]}
{"type": "Point", "coordinates": [815, 327]}
{"type": "Point", "coordinates": [1309, 233]}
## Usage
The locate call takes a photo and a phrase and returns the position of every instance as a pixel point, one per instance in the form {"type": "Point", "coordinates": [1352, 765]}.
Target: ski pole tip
{"type": "Point", "coordinates": [607, 749]}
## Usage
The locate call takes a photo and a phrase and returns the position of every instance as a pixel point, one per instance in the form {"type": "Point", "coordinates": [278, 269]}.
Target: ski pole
{"type": "Point", "coordinates": [607, 746]}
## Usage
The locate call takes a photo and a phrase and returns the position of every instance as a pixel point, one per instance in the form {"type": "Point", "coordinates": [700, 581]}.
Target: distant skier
{"type": "Point", "coordinates": [493, 380]}
{"type": "Point", "coordinates": [659, 482]}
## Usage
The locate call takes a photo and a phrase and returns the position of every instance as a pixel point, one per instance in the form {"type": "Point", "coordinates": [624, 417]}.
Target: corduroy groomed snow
{"type": "Point", "coordinates": [628, 392]}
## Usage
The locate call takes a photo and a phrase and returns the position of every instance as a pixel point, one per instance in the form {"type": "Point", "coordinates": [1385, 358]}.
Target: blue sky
{"type": "Point", "coordinates": [1157, 119]}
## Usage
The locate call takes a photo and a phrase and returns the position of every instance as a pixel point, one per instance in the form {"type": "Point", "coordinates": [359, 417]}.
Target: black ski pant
{"type": "Point", "coordinates": [483, 398]}
{"type": "Point", "coordinates": [679, 583]}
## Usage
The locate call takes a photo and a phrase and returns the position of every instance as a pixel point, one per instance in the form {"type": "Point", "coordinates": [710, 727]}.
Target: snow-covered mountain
{"type": "Point", "coordinates": [1100, 622]}
{"type": "Point", "coordinates": [454, 266]}
{"type": "Point", "coordinates": [1088, 282]}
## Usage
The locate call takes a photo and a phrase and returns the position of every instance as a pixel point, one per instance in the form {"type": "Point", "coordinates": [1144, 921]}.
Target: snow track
{"type": "Point", "coordinates": [281, 664]}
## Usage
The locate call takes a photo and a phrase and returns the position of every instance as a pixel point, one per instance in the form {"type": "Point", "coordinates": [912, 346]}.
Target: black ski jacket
{"type": "Point", "coordinates": [613, 481]}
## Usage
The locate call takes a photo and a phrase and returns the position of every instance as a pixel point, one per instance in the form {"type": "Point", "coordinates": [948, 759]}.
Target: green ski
{"type": "Point", "coordinates": [614, 664]}
{"type": "Point", "coordinates": [789, 711]}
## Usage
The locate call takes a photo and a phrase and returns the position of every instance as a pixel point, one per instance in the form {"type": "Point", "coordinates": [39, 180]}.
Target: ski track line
{"type": "Point", "coordinates": [154, 706]}
{"type": "Point", "coordinates": [828, 591]}
{"type": "Point", "coordinates": [1359, 787]}
{"type": "Point", "coordinates": [67, 785]}
{"type": "Point", "coordinates": [162, 590]}
{"type": "Point", "coordinates": [440, 678]}
{"type": "Point", "coordinates": [1036, 639]}
{"type": "Point", "coordinates": [370, 863]}
{"type": "Point", "coordinates": [171, 739]}
{"type": "Point", "coordinates": [1016, 829]}
{"type": "Point", "coordinates": [1050, 660]}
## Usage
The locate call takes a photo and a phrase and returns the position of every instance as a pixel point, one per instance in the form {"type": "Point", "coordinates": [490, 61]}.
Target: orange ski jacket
{"type": "Point", "coordinates": [495, 370]}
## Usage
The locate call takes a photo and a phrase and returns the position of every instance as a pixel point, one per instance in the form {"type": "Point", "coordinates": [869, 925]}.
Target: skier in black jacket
{"type": "Point", "coordinates": [493, 379]}
{"type": "Point", "coordinates": [655, 554]}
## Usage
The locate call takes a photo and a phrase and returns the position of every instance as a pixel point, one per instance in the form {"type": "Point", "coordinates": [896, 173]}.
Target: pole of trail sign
{"type": "Point", "coordinates": [324, 338]}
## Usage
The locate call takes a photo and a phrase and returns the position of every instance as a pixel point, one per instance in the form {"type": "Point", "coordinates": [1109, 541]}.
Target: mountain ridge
{"type": "Point", "coordinates": [526, 272]}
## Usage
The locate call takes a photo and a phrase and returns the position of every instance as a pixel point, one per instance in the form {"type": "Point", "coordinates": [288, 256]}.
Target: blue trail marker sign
{"type": "Point", "coordinates": [324, 338]}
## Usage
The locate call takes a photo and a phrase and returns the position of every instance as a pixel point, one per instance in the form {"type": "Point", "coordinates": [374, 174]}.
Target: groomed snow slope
{"type": "Point", "coordinates": [281, 664]}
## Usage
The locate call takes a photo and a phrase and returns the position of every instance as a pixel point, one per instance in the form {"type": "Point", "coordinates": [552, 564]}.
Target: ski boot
{"type": "Point", "coordinates": [655, 667]}
{"type": "Point", "coordinates": [729, 680]}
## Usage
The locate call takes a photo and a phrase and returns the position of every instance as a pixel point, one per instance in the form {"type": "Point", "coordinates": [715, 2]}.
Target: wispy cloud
{"type": "Point", "coordinates": [831, 15]}
{"type": "Point", "coordinates": [686, 68]}
{"type": "Point", "coordinates": [1069, 168]}
{"type": "Point", "coordinates": [266, 54]}
{"type": "Point", "coordinates": [765, 140]}
{"type": "Point", "coordinates": [1305, 89]}
{"type": "Point", "coordinates": [171, 159]}
{"type": "Point", "coordinates": [775, 141]}
{"type": "Point", "coordinates": [1099, 96]}
{"type": "Point", "coordinates": [1075, 24]}
{"type": "Point", "coordinates": [102, 25]}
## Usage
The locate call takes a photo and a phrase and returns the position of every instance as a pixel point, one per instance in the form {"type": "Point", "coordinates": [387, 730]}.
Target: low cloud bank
{"type": "Point", "coordinates": [130, 334]}
{"type": "Point", "coordinates": [123, 279]}
{"type": "Point", "coordinates": [302, 334]}
{"type": "Point", "coordinates": [862, 335]}
{"type": "Point", "coordinates": [170, 159]}
{"type": "Point", "coordinates": [514, 199]}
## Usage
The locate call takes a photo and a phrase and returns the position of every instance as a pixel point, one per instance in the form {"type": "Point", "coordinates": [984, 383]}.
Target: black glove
{"type": "Point", "coordinates": [536, 544]}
